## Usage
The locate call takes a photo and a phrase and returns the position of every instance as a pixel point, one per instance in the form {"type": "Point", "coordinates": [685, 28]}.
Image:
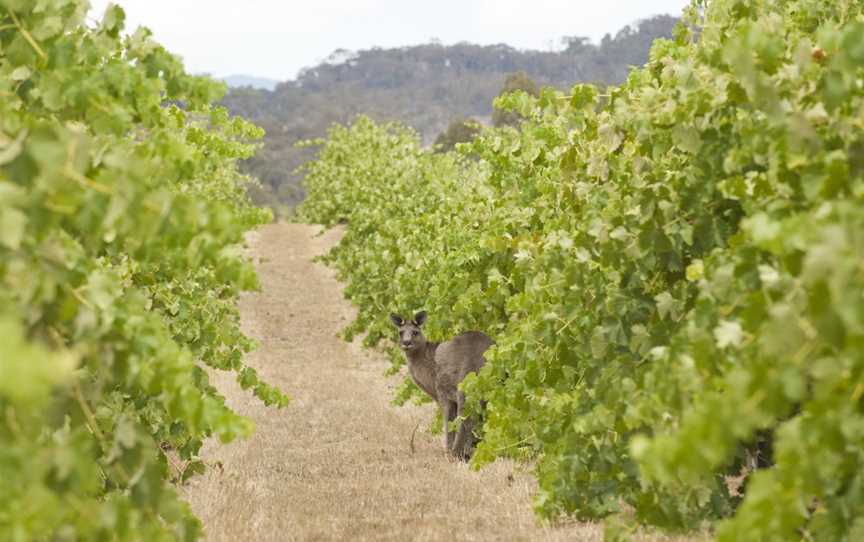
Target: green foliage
{"type": "Point", "coordinates": [515, 82]}
{"type": "Point", "coordinates": [458, 131]}
{"type": "Point", "coordinates": [669, 275]}
{"type": "Point", "coordinates": [121, 214]}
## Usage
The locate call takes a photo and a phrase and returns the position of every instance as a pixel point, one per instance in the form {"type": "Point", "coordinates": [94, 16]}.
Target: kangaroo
{"type": "Point", "coordinates": [438, 368]}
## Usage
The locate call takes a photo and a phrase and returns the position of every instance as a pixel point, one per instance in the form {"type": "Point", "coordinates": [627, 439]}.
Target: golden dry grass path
{"type": "Point", "coordinates": [336, 463]}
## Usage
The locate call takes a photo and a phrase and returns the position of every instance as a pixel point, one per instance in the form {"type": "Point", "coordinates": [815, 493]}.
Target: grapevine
{"type": "Point", "coordinates": [672, 274]}
{"type": "Point", "coordinates": [121, 216]}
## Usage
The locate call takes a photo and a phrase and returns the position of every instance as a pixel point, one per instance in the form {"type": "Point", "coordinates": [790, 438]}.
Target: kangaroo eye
{"type": "Point", "coordinates": [414, 332]}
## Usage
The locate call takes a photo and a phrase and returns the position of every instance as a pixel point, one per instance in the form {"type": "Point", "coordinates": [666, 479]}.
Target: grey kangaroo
{"type": "Point", "coordinates": [438, 368]}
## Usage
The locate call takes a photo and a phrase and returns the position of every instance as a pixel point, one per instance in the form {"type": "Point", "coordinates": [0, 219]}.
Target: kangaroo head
{"type": "Point", "coordinates": [410, 335]}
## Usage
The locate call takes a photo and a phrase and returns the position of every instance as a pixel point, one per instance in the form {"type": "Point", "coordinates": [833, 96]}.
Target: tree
{"type": "Point", "coordinates": [514, 82]}
{"type": "Point", "coordinates": [458, 131]}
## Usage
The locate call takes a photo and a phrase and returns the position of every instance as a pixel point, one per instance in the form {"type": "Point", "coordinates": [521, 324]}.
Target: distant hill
{"type": "Point", "coordinates": [424, 86]}
{"type": "Point", "coordinates": [240, 81]}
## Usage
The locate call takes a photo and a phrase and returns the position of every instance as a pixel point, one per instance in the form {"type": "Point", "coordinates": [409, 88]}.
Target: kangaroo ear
{"type": "Point", "coordinates": [397, 320]}
{"type": "Point", "coordinates": [420, 318]}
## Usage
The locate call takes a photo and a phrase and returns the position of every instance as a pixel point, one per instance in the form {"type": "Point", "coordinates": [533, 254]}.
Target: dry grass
{"type": "Point", "coordinates": [337, 464]}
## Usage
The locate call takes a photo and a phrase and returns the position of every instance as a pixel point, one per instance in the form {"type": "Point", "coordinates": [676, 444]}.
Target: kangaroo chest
{"type": "Point", "coordinates": [423, 373]}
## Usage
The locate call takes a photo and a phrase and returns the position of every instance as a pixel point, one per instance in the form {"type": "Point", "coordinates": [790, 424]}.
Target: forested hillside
{"type": "Point", "coordinates": [424, 86]}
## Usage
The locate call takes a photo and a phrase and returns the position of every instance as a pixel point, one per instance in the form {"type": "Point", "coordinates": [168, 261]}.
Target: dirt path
{"type": "Point", "coordinates": [336, 463]}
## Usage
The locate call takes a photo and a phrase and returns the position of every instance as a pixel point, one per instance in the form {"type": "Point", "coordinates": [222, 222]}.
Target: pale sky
{"type": "Point", "coordinates": [275, 39]}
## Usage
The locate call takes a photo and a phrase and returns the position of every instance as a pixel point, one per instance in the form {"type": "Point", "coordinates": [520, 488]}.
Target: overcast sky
{"type": "Point", "coordinates": [275, 38]}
